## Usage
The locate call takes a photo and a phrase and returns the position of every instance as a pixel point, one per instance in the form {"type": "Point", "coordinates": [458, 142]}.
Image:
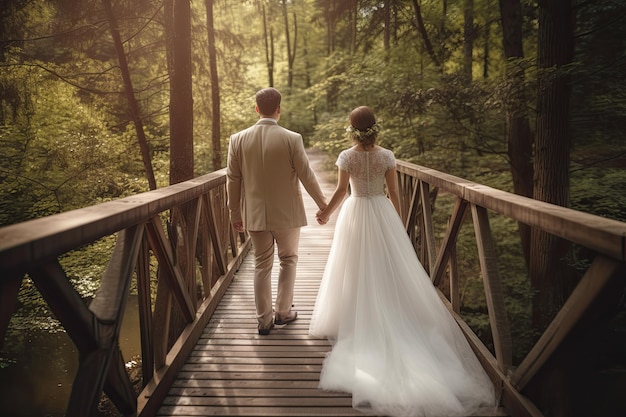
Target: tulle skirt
{"type": "Point", "coordinates": [396, 347]}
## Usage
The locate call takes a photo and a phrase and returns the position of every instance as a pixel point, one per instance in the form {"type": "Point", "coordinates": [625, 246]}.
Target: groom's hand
{"type": "Point", "coordinates": [238, 226]}
{"type": "Point", "coordinates": [319, 218]}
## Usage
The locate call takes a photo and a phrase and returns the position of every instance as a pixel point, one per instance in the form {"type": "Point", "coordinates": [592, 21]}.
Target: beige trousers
{"type": "Point", "coordinates": [287, 243]}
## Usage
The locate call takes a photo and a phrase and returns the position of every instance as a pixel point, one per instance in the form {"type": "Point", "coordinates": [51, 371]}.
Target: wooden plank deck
{"type": "Point", "coordinates": [233, 371]}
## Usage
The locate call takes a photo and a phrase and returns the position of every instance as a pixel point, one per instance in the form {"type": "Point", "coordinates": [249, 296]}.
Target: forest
{"type": "Point", "coordinates": [102, 99]}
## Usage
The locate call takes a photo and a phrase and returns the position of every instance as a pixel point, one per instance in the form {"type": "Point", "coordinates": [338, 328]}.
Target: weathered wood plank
{"type": "Point", "coordinates": [160, 245]}
{"type": "Point", "coordinates": [230, 343]}
{"type": "Point", "coordinates": [188, 411]}
{"type": "Point", "coordinates": [291, 400]}
{"type": "Point", "coordinates": [30, 242]}
{"type": "Point", "coordinates": [155, 390]}
{"type": "Point", "coordinates": [234, 371]}
{"type": "Point", "coordinates": [595, 279]}
{"type": "Point", "coordinates": [9, 288]}
{"type": "Point", "coordinates": [145, 311]}
{"type": "Point", "coordinates": [449, 241]}
{"type": "Point", "coordinates": [598, 233]}
{"type": "Point", "coordinates": [211, 222]}
{"type": "Point", "coordinates": [253, 392]}
{"type": "Point", "coordinates": [427, 216]}
{"type": "Point", "coordinates": [493, 289]}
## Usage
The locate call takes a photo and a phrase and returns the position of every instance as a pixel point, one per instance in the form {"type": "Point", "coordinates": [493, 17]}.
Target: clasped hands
{"type": "Point", "coordinates": [321, 216]}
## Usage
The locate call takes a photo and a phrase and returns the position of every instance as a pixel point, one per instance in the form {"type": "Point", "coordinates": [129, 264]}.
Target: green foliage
{"type": "Point", "coordinates": [331, 136]}
{"type": "Point", "coordinates": [66, 140]}
{"type": "Point", "coordinates": [597, 191]}
{"type": "Point", "coordinates": [61, 159]}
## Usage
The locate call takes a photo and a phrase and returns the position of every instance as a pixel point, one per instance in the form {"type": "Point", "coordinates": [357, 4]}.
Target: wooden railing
{"type": "Point", "coordinates": [605, 238]}
{"type": "Point", "coordinates": [185, 229]}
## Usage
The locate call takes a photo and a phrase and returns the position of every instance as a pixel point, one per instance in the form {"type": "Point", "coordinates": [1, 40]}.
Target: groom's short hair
{"type": "Point", "coordinates": [268, 100]}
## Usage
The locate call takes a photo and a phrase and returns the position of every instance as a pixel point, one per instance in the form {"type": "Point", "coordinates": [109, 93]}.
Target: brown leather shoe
{"type": "Point", "coordinates": [264, 331]}
{"type": "Point", "coordinates": [285, 318]}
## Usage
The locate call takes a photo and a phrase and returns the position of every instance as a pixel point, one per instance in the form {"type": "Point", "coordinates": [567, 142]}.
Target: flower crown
{"type": "Point", "coordinates": [370, 131]}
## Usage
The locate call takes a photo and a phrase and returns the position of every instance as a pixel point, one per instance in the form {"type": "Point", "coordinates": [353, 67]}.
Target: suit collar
{"type": "Point", "coordinates": [267, 121]}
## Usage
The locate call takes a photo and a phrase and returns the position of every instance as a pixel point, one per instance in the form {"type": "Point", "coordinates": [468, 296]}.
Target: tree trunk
{"type": "Point", "coordinates": [486, 50]}
{"type": "Point", "coordinates": [331, 24]}
{"type": "Point", "coordinates": [291, 52]}
{"type": "Point", "coordinates": [307, 63]}
{"type": "Point", "coordinates": [215, 88]}
{"type": "Point", "coordinates": [269, 50]}
{"type": "Point", "coordinates": [177, 17]}
{"type": "Point", "coordinates": [130, 94]}
{"type": "Point", "coordinates": [444, 16]}
{"type": "Point", "coordinates": [387, 34]}
{"type": "Point", "coordinates": [181, 100]}
{"type": "Point", "coordinates": [519, 135]}
{"type": "Point", "coordinates": [421, 28]}
{"type": "Point", "coordinates": [354, 20]}
{"type": "Point", "coordinates": [468, 39]}
{"type": "Point", "coordinates": [548, 270]}
{"type": "Point", "coordinates": [331, 13]}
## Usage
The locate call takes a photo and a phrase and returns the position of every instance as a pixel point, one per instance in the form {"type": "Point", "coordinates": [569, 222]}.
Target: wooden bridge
{"type": "Point", "coordinates": [200, 351]}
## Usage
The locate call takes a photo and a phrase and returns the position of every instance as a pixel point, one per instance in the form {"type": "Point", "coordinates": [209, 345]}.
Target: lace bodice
{"type": "Point", "coordinates": [367, 170]}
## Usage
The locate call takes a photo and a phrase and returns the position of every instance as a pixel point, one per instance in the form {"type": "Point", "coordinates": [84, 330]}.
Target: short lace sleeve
{"type": "Point", "coordinates": [390, 159]}
{"type": "Point", "coordinates": [342, 161]}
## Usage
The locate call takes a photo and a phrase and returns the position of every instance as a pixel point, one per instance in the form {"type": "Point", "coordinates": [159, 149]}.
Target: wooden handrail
{"type": "Point", "coordinates": [606, 237]}
{"type": "Point", "coordinates": [196, 214]}
{"type": "Point", "coordinates": [603, 235]}
{"type": "Point", "coordinates": [197, 230]}
{"type": "Point", "coordinates": [28, 242]}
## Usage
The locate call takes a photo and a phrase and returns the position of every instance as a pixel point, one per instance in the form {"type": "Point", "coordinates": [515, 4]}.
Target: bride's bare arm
{"type": "Point", "coordinates": [337, 198]}
{"type": "Point", "coordinates": [392, 186]}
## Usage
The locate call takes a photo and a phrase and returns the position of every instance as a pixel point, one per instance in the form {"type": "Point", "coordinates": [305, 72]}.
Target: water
{"type": "Point", "coordinates": [39, 383]}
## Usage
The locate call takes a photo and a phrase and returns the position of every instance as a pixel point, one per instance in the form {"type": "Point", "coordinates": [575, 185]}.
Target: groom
{"type": "Point", "coordinates": [266, 164]}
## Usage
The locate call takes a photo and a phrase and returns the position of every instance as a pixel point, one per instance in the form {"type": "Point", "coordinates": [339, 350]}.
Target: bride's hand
{"type": "Point", "coordinates": [321, 219]}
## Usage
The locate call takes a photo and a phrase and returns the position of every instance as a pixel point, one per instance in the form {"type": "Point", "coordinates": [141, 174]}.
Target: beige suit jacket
{"type": "Point", "coordinates": [266, 164]}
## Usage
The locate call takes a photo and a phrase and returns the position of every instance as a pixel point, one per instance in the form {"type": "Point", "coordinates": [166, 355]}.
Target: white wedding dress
{"type": "Point", "coordinates": [396, 347]}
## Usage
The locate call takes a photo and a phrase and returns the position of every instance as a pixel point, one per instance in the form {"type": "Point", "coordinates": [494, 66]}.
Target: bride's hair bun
{"type": "Point", "coordinates": [363, 127]}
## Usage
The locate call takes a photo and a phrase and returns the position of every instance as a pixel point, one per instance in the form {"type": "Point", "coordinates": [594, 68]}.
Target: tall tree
{"type": "Point", "coordinates": [332, 11]}
{"type": "Point", "coordinates": [354, 28]}
{"type": "Point", "coordinates": [215, 88]}
{"type": "Point", "coordinates": [331, 23]}
{"type": "Point", "coordinates": [519, 135]}
{"type": "Point", "coordinates": [468, 39]}
{"type": "Point", "coordinates": [291, 50]}
{"type": "Point", "coordinates": [486, 48]}
{"type": "Point", "coordinates": [181, 100]}
{"type": "Point", "coordinates": [421, 28]}
{"type": "Point", "coordinates": [130, 93]}
{"type": "Point", "coordinates": [177, 17]}
{"type": "Point", "coordinates": [553, 142]}
{"type": "Point", "coordinates": [387, 33]}
{"type": "Point", "coordinates": [268, 41]}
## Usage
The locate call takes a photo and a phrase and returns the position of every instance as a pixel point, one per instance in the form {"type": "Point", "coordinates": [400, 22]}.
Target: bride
{"type": "Point", "coordinates": [396, 347]}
